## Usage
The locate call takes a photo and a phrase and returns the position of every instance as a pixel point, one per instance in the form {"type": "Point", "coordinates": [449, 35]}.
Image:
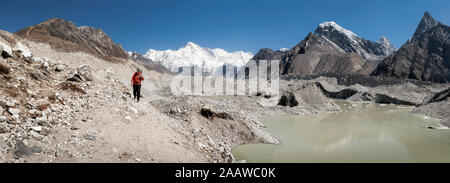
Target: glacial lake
{"type": "Point", "coordinates": [361, 132]}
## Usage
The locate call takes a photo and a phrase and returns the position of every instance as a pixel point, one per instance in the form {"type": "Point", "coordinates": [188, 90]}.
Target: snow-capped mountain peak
{"type": "Point", "coordinates": [194, 55]}
{"type": "Point", "coordinates": [384, 40]}
{"type": "Point", "coordinates": [192, 44]}
{"type": "Point", "coordinates": [330, 26]}
{"type": "Point", "coordinates": [346, 41]}
{"type": "Point", "coordinates": [386, 43]}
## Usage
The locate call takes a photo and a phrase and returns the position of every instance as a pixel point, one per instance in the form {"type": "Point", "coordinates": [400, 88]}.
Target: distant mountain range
{"type": "Point", "coordinates": [331, 49]}
{"type": "Point", "coordinates": [194, 55]}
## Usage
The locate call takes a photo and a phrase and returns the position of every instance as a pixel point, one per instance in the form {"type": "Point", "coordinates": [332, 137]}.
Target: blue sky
{"type": "Point", "coordinates": [229, 24]}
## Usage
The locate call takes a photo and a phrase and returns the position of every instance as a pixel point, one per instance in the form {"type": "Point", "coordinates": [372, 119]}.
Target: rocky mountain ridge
{"type": "Point", "coordinates": [66, 36]}
{"type": "Point", "coordinates": [426, 56]}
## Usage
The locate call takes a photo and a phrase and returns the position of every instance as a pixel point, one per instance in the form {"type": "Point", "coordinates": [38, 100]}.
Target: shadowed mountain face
{"type": "Point", "coordinates": [66, 36]}
{"type": "Point", "coordinates": [331, 49]}
{"type": "Point", "coordinates": [426, 56]}
{"type": "Point", "coordinates": [147, 63]}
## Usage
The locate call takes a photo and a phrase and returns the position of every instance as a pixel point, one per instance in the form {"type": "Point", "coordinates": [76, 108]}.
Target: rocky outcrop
{"type": "Point", "coordinates": [5, 50]}
{"type": "Point", "coordinates": [339, 94]}
{"type": "Point", "coordinates": [4, 69]}
{"type": "Point", "coordinates": [436, 109]}
{"type": "Point", "coordinates": [297, 95]}
{"type": "Point", "coordinates": [86, 72]}
{"type": "Point", "coordinates": [82, 73]}
{"type": "Point", "coordinates": [269, 54]}
{"type": "Point", "coordinates": [66, 36]}
{"type": "Point", "coordinates": [288, 99]}
{"type": "Point", "coordinates": [386, 99]}
{"type": "Point", "coordinates": [438, 97]}
{"type": "Point", "coordinates": [403, 94]}
{"type": "Point", "coordinates": [361, 97]}
{"type": "Point", "coordinates": [425, 57]}
{"type": "Point", "coordinates": [33, 102]}
{"type": "Point", "coordinates": [210, 113]}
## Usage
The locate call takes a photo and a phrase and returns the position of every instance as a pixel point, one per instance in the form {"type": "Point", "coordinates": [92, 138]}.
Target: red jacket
{"type": "Point", "coordinates": [137, 78]}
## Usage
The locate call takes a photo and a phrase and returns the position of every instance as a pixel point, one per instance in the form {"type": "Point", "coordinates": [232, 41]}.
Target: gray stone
{"type": "Point", "coordinates": [5, 50]}
{"type": "Point", "coordinates": [74, 128]}
{"type": "Point", "coordinates": [36, 128]}
{"type": "Point", "coordinates": [42, 119]}
{"type": "Point", "coordinates": [75, 77]}
{"type": "Point", "coordinates": [89, 137]}
{"type": "Point", "coordinates": [3, 118]}
{"type": "Point", "coordinates": [14, 111]}
{"type": "Point", "coordinates": [10, 103]}
{"type": "Point", "coordinates": [60, 68]}
{"type": "Point", "coordinates": [86, 72]}
{"type": "Point", "coordinates": [21, 150]}
{"type": "Point", "coordinates": [35, 135]}
{"type": "Point", "coordinates": [36, 149]}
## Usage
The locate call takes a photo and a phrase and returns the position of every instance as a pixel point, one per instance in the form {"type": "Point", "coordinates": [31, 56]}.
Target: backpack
{"type": "Point", "coordinates": [137, 78]}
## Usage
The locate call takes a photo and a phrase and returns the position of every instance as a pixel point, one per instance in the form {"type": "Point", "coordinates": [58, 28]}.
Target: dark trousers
{"type": "Point", "coordinates": [137, 92]}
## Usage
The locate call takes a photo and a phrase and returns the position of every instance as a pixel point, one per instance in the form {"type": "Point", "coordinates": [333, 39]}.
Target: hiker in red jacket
{"type": "Point", "coordinates": [136, 81]}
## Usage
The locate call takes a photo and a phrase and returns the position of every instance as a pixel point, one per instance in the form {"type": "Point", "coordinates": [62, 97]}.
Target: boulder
{"type": "Point", "coordinates": [86, 72]}
{"type": "Point", "coordinates": [21, 150]}
{"type": "Point", "coordinates": [41, 120]}
{"type": "Point", "coordinates": [36, 128]}
{"type": "Point", "coordinates": [60, 68]}
{"type": "Point", "coordinates": [89, 137]}
{"type": "Point", "coordinates": [210, 113]}
{"type": "Point", "coordinates": [3, 118]}
{"type": "Point", "coordinates": [23, 50]}
{"type": "Point", "coordinates": [38, 75]}
{"type": "Point", "coordinates": [10, 103]}
{"type": "Point", "coordinates": [5, 50]}
{"type": "Point", "coordinates": [75, 77]}
{"type": "Point", "coordinates": [4, 69]}
{"type": "Point", "coordinates": [14, 111]}
{"type": "Point", "coordinates": [308, 95]}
